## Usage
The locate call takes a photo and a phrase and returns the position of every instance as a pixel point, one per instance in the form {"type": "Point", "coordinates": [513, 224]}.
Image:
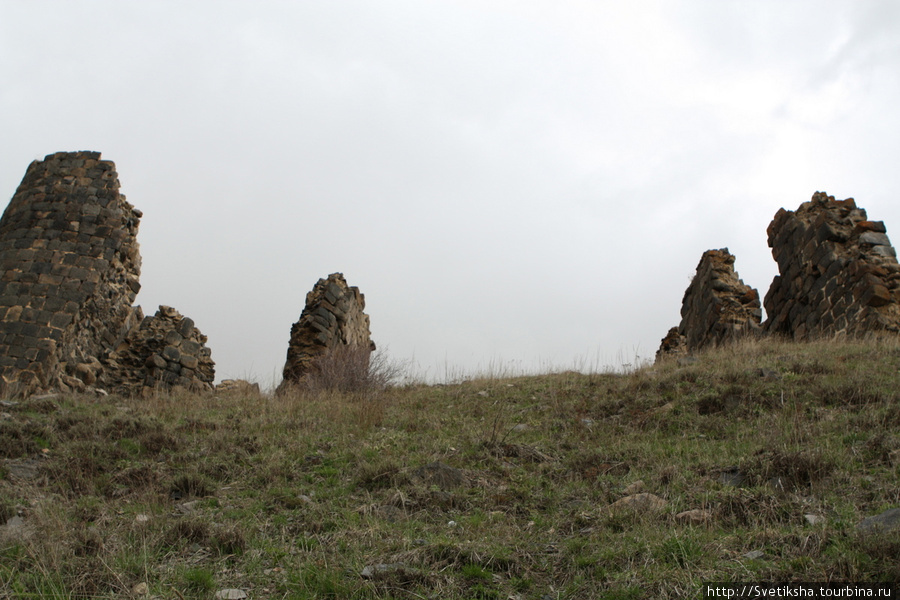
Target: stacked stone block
{"type": "Point", "coordinates": [166, 351]}
{"type": "Point", "coordinates": [674, 345]}
{"type": "Point", "coordinates": [70, 265]}
{"type": "Point", "coordinates": [333, 316]}
{"type": "Point", "coordinates": [717, 307]}
{"type": "Point", "coordinates": [838, 273]}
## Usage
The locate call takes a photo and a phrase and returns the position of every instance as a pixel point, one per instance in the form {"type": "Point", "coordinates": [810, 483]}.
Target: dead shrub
{"type": "Point", "coordinates": [141, 477]}
{"type": "Point", "coordinates": [39, 405]}
{"type": "Point", "coordinates": [157, 440]}
{"type": "Point", "coordinates": [788, 470]}
{"type": "Point", "coordinates": [17, 440]}
{"type": "Point", "coordinates": [351, 369]}
{"type": "Point", "coordinates": [187, 531]}
{"type": "Point", "coordinates": [848, 394]}
{"type": "Point", "coordinates": [87, 542]}
{"type": "Point", "coordinates": [130, 427]}
{"type": "Point", "coordinates": [83, 467]}
{"type": "Point", "coordinates": [380, 475]}
{"type": "Point", "coordinates": [190, 486]}
{"type": "Point", "coordinates": [752, 508]}
{"type": "Point", "coordinates": [228, 540]}
{"type": "Point", "coordinates": [590, 466]}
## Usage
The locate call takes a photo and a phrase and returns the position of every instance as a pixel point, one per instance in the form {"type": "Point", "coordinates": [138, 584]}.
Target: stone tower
{"type": "Point", "coordinates": [70, 259]}
{"type": "Point", "coordinates": [71, 264]}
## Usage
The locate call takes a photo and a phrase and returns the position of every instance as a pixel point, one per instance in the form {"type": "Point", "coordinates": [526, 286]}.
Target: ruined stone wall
{"type": "Point", "coordinates": [70, 264]}
{"type": "Point", "coordinates": [165, 351]}
{"type": "Point", "coordinates": [333, 316]}
{"type": "Point", "coordinates": [674, 345]}
{"type": "Point", "coordinates": [838, 273]}
{"type": "Point", "coordinates": [717, 307]}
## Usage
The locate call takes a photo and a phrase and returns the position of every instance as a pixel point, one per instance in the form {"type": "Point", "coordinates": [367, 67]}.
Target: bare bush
{"type": "Point", "coordinates": [351, 369]}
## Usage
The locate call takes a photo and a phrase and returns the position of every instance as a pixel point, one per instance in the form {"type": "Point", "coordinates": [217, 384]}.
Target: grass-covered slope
{"type": "Point", "coordinates": [488, 489]}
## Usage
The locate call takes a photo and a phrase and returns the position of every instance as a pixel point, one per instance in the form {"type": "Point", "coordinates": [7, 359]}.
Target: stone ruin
{"type": "Point", "coordinates": [838, 273]}
{"type": "Point", "coordinates": [333, 318]}
{"type": "Point", "coordinates": [71, 268]}
{"type": "Point", "coordinates": [164, 351]}
{"type": "Point", "coordinates": [717, 307]}
{"type": "Point", "coordinates": [838, 276]}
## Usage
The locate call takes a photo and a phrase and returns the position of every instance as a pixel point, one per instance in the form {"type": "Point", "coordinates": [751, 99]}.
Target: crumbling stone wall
{"type": "Point", "coordinates": [717, 307]}
{"type": "Point", "coordinates": [674, 345]}
{"type": "Point", "coordinates": [70, 262]}
{"type": "Point", "coordinates": [71, 268]}
{"type": "Point", "coordinates": [838, 273]}
{"type": "Point", "coordinates": [333, 316]}
{"type": "Point", "coordinates": [165, 351]}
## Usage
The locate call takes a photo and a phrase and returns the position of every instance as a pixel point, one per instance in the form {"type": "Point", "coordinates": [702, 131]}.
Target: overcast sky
{"type": "Point", "coordinates": [525, 184]}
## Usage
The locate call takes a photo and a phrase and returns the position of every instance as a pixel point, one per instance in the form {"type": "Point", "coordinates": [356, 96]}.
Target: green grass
{"type": "Point", "coordinates": [293, 496]}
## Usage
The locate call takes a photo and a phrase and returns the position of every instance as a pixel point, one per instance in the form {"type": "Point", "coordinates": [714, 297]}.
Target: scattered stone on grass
{"type": "Point", "coordinates": [767, 374]}
{"type": "Point", "coordinates": [237, 386]}
{"type": "Point", "coordinates": [634, 487]}
{"type": "Point", "coordinates": [732, 476]}
{"type": "Point", "coordinates": [693, 517]}
{"type": "Point", "coordinates": [15, 529]}
{"type": "Point", "coordinates": [437, 473]}
{"type": "Point", "coordinates": [24, 469]}
{"type": "Point", "coordinates": [885, 522]}
{"type": "Point", "coordinates": [374, 571]}
{"type": "Point", "coordinates": [642, 502]}
{"type": "Point", "coordinates": [814, 519]}
{"type": "Point", "coordinates": [15, 522]}
{"type": "Point", "coordinates": [231, 594]}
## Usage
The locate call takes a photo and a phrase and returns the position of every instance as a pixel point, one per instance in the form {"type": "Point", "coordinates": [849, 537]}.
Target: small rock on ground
{"type": "Point", "coordinates": [639, 502]}
{"type": "Point", "coordinates": [371, 571]}
{"type": "Point", "coordinates": [814, 519]}
{"type": "Point", "coordinates": [887, 521]}
{"type": "Point", "coordinates": [634, 488]}
{"type": "Point", "coordinates": [141, 589]}
{"type": "Point", "coordinates": [694, 517]}
{"type": "Point", "coordinates": [443, 476]}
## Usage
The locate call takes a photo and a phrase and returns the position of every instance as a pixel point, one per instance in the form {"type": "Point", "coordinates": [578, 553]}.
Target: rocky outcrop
{"type": "Point", "coordinates": [333, 317]}
{"type": "Point", "coordinates": [71, 267]}
{"type": "Point", "coordinates": [166, 351]}
{"type": "Point", "coordinates": [717, 308]}
{"type": "Point", "coordinates": [838, 273]}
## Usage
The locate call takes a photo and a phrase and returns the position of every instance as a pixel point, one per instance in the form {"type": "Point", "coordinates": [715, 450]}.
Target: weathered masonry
{"type": "Point", "coordinates": [717, 307]}
{"type": "Point", "coordinates": [70, 274]}
{"type": "Point", "coordinates": [333, 317]}
{"type": "Point", "coordinates": [838, 276]}
{"type": "Point", "coordinates": [838, 273]}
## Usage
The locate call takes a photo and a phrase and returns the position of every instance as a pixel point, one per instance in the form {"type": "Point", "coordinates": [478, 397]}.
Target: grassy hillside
{"type": "Point", "coordinates": [494, 488]}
